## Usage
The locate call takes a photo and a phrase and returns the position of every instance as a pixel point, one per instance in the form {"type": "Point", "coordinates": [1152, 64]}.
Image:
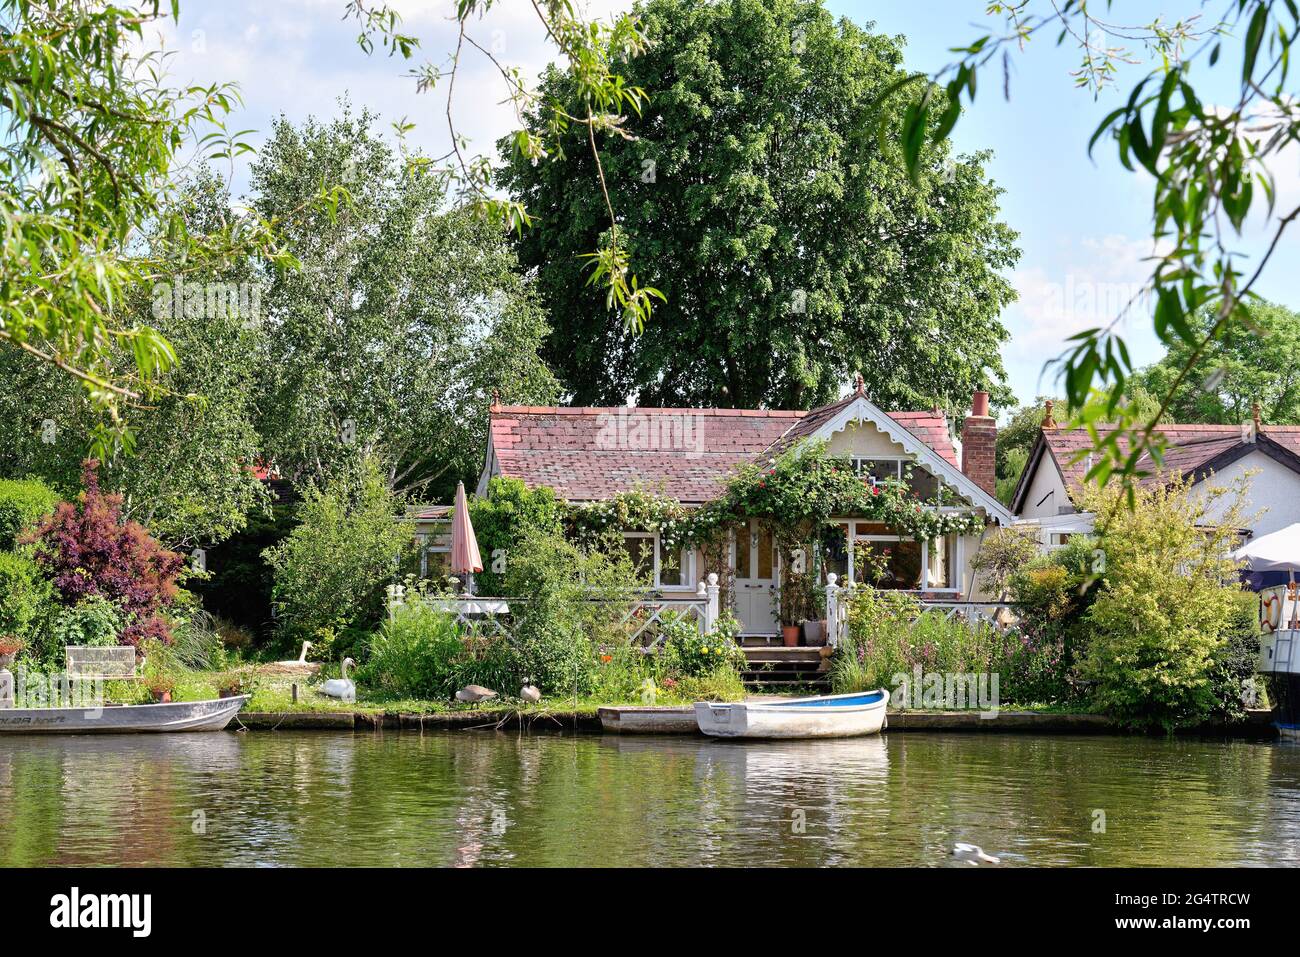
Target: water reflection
{"type": "Point", "coordinates": [497, 799]}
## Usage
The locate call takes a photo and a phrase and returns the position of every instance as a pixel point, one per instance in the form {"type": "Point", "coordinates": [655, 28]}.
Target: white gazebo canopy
{"type": "Point", "coordinates": [1275, 552]}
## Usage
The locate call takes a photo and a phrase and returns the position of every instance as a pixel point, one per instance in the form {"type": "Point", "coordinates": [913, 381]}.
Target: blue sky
{"type": "Point", "coordinates": [1083, 223]}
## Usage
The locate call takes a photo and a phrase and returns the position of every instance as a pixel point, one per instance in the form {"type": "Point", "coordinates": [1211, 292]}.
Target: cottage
{"type": "Point", "coordinates": [593, 454]}
{"type": "Point", "coordinates": [1208, 455]}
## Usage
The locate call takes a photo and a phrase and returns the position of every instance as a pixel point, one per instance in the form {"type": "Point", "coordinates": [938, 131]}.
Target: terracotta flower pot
{"type": "Point", "coordinates": [162, 697]}
{"type": "Point", "coordinates": [790, 635]}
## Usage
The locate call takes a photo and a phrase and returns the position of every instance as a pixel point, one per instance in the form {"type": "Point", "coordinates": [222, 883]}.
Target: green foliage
{"type": "Point", "coordinates": [1210, 172]}
{"type": "Point", "coordinates": [755, 194]}
{"type": "Point", "coordinates": [93, 132]}
{"type": "Point", "coordinates": [502, 517]}
{"type": "Point", "coordinates": [688, 653]}
{"type": "Point", "coordinates": [331, 570]}
{"type": "Point", "coordinates": [25, 595]}
{"type": "Point", "coordinates": [93, 621]}
{"type": "Point", "coordinates": [1258, 361]}
{"type": "Point", "coordinates": [1158, 624]}
{"type": "Point", "coordinates": [239, 582]}
{"type": "Point", "coordinates": [570, 597]}
{"type": "Point", "coordinates": [404, 320]}
{"type": "Point", "coordinates": [1236, 659]}
{"type": "Point", "coordinates": [22, 505]}
{"type": "Point", "coordinates": [420, 653]}
{"type": "Point", "coordinates": [1004, 552]}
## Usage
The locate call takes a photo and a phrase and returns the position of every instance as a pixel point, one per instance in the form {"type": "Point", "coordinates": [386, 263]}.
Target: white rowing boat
{"type": "Point", "coordinates": [824, 716]}
{"type": "Point", "coordinates": [212, 715]}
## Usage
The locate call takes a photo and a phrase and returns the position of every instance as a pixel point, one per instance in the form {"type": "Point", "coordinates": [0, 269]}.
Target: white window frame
{"type": "Point", "coordinates": [425, 548]}
{"type": "Point", "coordinates": [955, 573]}
{"type": "Point", "coordinates": [687, 562]}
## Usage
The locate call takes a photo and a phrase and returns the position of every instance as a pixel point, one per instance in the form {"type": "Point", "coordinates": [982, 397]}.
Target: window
{"type": "Point", "coordinates": [640, 548]}
{"type": "Point", "coordinates": [943, 562]}
{"type": "Point", "coordinates": [655, 565]}
{"type": "Point", "coordinates": [878, 470]}
{"type": "Point", "coordinates": [918, 479]}
{"type": "Point", "coordinates": [673, 567]}
{"type": "Point", "coordinates": [435, 555]}
{"type": "Point", "coordinates": [899, 561]}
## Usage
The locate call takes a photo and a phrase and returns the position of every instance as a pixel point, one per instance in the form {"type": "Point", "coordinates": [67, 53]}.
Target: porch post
{"type": "Point", "coordinates": [711, 609]}
{"type": "Point", "coordinates": [832, 610]}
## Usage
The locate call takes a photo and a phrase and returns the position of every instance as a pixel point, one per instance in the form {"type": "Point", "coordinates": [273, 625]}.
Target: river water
{"type": "Point", "coordinates": [511, 799]}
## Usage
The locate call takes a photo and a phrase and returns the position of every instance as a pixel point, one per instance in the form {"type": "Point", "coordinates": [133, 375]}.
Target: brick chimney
{"type": "Point", "coordinates": [979, 436]}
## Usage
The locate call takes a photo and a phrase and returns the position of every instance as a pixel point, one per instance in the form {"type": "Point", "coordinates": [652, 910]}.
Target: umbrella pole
{"type": "Point", "coordinates": [1293, 624]}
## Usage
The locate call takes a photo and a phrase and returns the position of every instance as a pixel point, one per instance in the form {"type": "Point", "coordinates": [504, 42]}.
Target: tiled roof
{"type": "Point", "coordinates": [1189, 448]}
{"type": "Point", "coordinates": [593, 453]}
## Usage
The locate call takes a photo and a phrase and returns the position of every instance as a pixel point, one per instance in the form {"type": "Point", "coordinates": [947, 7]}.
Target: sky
{"type": "Point", "coordinates": [1083, 223]}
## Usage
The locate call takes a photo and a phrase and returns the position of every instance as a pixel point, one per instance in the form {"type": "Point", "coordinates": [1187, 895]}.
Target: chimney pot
{"type": "Point", "coordinates": [979, 404]}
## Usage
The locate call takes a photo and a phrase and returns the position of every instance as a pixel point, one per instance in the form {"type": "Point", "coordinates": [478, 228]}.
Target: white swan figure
{"type": "Point", "coordinates": [345, 689]}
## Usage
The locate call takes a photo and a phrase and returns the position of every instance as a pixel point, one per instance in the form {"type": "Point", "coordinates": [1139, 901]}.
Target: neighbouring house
{"type": "Point", "coordinates": [1207, 455]}
{"type": "Point", "coordinates": [593, 454]}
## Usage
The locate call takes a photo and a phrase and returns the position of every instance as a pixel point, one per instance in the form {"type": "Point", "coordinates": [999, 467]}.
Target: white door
{"type": "Point", "coordinates": [756, 580]}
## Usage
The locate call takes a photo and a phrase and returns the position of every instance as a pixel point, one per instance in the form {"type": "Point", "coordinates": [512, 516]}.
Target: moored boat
{"type": "Point", "coordinates": [212, 715]}
{"type": "Point", "coordinates": [823, 716]}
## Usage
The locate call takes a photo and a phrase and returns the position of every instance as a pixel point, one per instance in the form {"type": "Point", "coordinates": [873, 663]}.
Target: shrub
{"type": "Point", "coordinates": [22, 504]}
{"type": "Point", "coordinates": [1159, 621]}
{"type": "Point", "coordinates": [330, 571]}
{"type": "Point", "coordinates": [570, 595]}
{"type": "Point", "coordinates": [25, 594]}
{"type": "Point", "coordinates": [500, 519]}
{"type": "Point", "coordinates": [418, 654]}
{"type": "Point", "coordinates": [1235, 660]}
{"type": "Point", "coordinates": [689, 654]}
{"type": "Point", "coordinates": [1002, 554]}
{"type": "Point", "coordinates": [90, 551]}
{"type": "Point", "coordinates": [93, 621]}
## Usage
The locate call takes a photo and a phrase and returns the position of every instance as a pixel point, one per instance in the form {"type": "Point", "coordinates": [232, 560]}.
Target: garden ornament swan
{"type": "Point", "coordinates": [530, 692]}
{"type": "Point", "coordinates": [300, 667]}
{"type": "Point", "coordinates": [345, 689]}
{"type": "Point", "coordinates": [473, 694]}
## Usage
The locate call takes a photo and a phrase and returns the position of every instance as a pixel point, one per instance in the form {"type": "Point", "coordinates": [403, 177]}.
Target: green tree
{"type": "Point", "coordinates": [187, 471]}
{"type": "Point", "coordinates": [754, 192]}
{"type": "Point", "coordinates": [1257, 361]}
{"type": "Point", "coordinates": [330, 571]}
{"type": "Point", "coordinates": [1163, 615]}
{"type": "Point", "coordinates": [403, 320]}
{"type": "Point", "coordinates": [92, 129]}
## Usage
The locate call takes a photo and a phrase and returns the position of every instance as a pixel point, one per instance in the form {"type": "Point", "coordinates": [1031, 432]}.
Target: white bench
{"type": "Point", "coordinates": [101, 664]}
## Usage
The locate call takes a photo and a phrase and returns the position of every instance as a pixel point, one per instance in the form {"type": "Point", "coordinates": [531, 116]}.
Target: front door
{"type": "Point", "coordinates": [756, 580]}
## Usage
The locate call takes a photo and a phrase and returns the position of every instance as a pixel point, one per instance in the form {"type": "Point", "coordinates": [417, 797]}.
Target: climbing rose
{"type": "Point", "coordinates": [90, 551]}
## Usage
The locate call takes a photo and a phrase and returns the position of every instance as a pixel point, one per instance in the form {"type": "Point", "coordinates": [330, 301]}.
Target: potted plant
{"type": "Point", "coordinates": [10, 645]}
{"type": "Point", "coordinates": [160, 688]}
{"type": "Point", "coordinates": [234, 685]}
{"type": "Point", "coordinates": [792, 604]}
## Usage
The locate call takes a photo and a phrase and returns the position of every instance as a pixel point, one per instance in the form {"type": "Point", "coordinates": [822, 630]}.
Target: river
{"type": "Point", "coordinates": [511, 799]}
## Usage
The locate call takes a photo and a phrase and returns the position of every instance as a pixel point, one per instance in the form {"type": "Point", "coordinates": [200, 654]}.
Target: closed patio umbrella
{"type": "Point", "coordinates": [465, 559]}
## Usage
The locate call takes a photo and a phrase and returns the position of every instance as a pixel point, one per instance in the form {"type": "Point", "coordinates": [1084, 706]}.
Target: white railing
{"type": "Point", "coordinates": [838, 598]}
{"type": "Point", "coordinates": [485, 613]}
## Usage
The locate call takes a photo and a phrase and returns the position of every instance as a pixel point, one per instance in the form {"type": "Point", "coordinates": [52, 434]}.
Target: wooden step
{"type": "Point", "coordinates": [809, 655]}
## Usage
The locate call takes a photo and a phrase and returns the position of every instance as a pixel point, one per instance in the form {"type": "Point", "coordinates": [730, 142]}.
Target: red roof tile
{"type": "Point", "coordinates": [591, 454]}
{"type": "Point", "coordinates": [1189, 448]}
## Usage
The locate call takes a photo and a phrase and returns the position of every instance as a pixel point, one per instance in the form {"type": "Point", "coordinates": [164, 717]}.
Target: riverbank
{"type": "Point", "coordinates": [1257, 726]}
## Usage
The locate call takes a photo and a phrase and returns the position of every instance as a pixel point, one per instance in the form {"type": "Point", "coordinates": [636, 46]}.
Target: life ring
{"type": "Point", "coordinates": [1270, 612]}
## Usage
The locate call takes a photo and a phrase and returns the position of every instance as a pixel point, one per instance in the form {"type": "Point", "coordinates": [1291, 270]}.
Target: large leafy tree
{"type": "Point", "coordinates": [1256, 361]}
{"type": "Point", "coordinates": [753, 190]}
{"type": "Point", "coordinates": [187, 471]}
{"type": "Point", "coordinates": [403, 320]}
{"type": "Point", "coordinates": [91, 131]}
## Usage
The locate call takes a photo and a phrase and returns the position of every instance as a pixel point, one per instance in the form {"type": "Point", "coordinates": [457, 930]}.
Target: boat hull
{"type": "Point", "coordinates": [833, 716]}
{"type": "Point", "coordinates": [648, 720]}
{"type": "Point", "coordinates": [178, 716]}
